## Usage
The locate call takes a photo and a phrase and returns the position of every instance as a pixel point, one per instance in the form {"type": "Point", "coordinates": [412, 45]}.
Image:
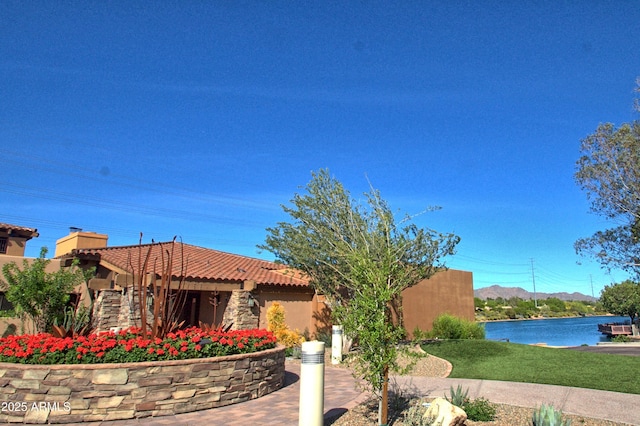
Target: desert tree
{"type": "Point", "coordinates": [361, 258]}
{"type": "Point", "coordinates": [40, 295]}
{"type": "Point", "coordinates": [609, 172]}
{"type": "Point", "coordinates": [622, 299]}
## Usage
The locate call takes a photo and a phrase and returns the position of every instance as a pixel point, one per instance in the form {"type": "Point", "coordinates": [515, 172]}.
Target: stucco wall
{"type": "Point", "coordinates": [298, 308]}
{"type": "Point", "coordinates": [15, 245]}
{"type": "Point", "coordinates": [54, 264]}
{"type": "Point", "coordinates": [206, 308]}
{"type": "Point", "coordinates": [449, 291]}
{"type": "Point", "coordinates": [101, 392]}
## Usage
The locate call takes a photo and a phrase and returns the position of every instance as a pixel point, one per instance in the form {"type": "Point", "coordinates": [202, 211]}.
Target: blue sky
{"type": "Point", "coordinates": [199, 119]}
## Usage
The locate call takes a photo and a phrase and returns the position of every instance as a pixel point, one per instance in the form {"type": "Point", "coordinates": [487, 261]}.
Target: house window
{"type": "Point", "coordinates": [3, 245]}
{"type": "Point", "coordinates": [5, 305]}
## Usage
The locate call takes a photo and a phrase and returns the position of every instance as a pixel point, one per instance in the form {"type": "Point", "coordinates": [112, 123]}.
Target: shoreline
{"type": "Point", "coordinates": [546, 318]}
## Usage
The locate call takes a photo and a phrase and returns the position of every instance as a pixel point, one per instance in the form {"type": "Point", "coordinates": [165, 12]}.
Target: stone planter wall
{"type": "Point", "coordinates": [95, 392]}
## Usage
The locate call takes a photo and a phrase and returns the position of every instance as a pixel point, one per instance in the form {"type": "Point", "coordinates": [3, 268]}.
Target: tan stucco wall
{"type": "Point", "coordinates": [206, 308]}
{"type": "Point", "coordinates": [53, 266]}
{"type": "Point", "coordinates": [13, 326]}
{"type": "Point", "coordinates": [15, 245]}
{"type": "Point", "coordinates": [449, 291]}
{"type": "Point", "coordinates": [297, 307]}
{"type": "Point", "coordinates": [80, 240]}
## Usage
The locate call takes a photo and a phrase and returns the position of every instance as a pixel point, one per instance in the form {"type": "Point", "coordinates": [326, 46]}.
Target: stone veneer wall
{"type": "Point", "coordinates": [118, 308]}
{"type": "Point", "coordinates": [239, 314]}
{"type": "Point", "coordinates": [106, 309]}
{"type": "Point", "coordinates": [97, 392]}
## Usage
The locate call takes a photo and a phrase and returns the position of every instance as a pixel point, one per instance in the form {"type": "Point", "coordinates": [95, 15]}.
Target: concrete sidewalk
{"type": "Point", "coordinates": [604, 405]}
{"type": "Point", "coordinates": [281, 407]}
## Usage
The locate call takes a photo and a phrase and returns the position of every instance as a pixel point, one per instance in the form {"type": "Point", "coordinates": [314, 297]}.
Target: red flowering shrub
{"type": "Point", "coordinates": [131, 346]}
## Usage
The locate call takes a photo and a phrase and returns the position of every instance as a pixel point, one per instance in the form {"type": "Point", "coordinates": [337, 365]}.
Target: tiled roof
{"type": "Point", "coordinates": [21, 230]}
{"type": "Point", "coordinates": [200, 263]}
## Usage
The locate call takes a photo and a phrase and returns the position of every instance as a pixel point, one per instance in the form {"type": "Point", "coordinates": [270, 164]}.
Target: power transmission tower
{"type": "Point", "coordinates": [533, 277]}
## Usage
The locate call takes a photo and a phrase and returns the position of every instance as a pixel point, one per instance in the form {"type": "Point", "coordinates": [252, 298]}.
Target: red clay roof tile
{"type": "Point", "coordinates": [200, 263]}
{"type": "Point", "coordinates": [24, 231]}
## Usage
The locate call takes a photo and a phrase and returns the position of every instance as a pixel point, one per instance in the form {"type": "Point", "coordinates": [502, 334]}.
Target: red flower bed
{"type": "Point", "coordinates": [131, 346]}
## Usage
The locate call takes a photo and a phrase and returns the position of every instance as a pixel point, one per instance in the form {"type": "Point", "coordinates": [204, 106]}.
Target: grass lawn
{"type": "Point", "coordinates": [484, 359]}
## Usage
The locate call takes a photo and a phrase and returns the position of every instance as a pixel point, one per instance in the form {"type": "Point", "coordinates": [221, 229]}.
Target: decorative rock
{"type": "Point", "coordinates": [37, 416]}
{"type": "Point", "coordinates": [35, 374]}
{"type": "Point", "coordinates": [442, 412]}
{"type": "Point", "coordinates": [25, 384]}
{"type": "Point", "coordinates": [185, 393]}
{"type": "Point", "coordinates": [112, 402]}
{"type": "Point", "coordinates": [116, 376]}
{"type": "Point", "coordinates": [158, 395]}
{"type": "Point", "coordinates": [120, 415]}
{"type": "Point", "coordinates": [59, 390]}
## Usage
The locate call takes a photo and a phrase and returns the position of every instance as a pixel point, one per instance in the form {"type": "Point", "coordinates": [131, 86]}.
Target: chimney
{"type": "Point", "coordinates": [79, 239]}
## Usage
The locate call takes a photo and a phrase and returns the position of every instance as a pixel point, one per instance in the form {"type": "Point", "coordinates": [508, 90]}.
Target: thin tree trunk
{"type": "Point", "coordinates": [383, 415]}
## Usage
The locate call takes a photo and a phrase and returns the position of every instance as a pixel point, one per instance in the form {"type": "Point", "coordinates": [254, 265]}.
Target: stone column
{"type": "Point", "coordinates": [239, 313]}
{"type": "Point", "coordinates": [106, 309]}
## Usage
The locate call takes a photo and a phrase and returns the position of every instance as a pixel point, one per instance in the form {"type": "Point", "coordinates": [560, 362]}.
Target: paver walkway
{"type": "Point", "coordinates": [281, 407]}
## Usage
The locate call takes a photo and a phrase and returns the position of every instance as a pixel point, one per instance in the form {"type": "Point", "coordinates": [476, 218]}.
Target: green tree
{"type": "Point", "coordinates": [609, 171]}
{"type": "Point", "coordinates": [622, 299]}
{"type": "Point", "coordinates": [555, 304]}
{"type": "Point", "coordinates": [491, 303]}
{"type": "Point", "coordinates": [526, 308]}
{"type": "Point", "coordinates": [514, 301]}
{"type": "Point", "coordinates": [37, 294]}
{"type": "Point", "coordinates": [361, 259]}
{"type": "Point", "coordinates": [579, 307]}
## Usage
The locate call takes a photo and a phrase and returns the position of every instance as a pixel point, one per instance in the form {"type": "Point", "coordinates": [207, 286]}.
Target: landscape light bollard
{"type": "Point", "coordinates": [336, 344]}
{"type": "Point", "coordinates": [312, 384]}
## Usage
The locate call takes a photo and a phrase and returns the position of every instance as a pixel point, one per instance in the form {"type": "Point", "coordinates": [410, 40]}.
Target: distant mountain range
{"type": "Point", "coordinates": [496, 291]}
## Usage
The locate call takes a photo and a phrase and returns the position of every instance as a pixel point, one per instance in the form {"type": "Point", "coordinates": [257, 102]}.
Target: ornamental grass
{"type": "Point", "coordinates": [130, 345]}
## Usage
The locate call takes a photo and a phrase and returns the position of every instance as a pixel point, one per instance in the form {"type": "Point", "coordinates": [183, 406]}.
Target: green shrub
{"type": "Point", "coordinates": [479, 410]}
{"type": "Point", "coordinates": [621, 338]}
{"type": "Point", "coordinates": [419, 334]}
{"type": "Point", "coordinates": [448, 326]}
{"type": "Point", "coordinates": [546, 415]}
{"type": "Point", "coordinates": [323, 336]}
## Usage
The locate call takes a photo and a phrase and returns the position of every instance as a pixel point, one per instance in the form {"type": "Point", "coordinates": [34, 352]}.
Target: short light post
{"type": "Point", "coordinates": [311, 411]}
{"type": "Point", "coordinates": [336, 344]}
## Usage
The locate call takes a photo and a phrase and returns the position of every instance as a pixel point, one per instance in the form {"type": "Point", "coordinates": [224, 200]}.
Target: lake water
{"type": "Point", "coordinates": [554, 332]}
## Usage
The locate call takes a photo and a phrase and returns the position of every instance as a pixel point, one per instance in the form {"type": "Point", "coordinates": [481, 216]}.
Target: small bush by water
{"type": "Point", "coordinates": [448, 326]}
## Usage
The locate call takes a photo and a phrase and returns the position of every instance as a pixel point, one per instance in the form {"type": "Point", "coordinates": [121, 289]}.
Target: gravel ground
{"type": "Point", "coordinates": [506, 415]}
{"type": "Point", "coordinates": [366, 414]}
